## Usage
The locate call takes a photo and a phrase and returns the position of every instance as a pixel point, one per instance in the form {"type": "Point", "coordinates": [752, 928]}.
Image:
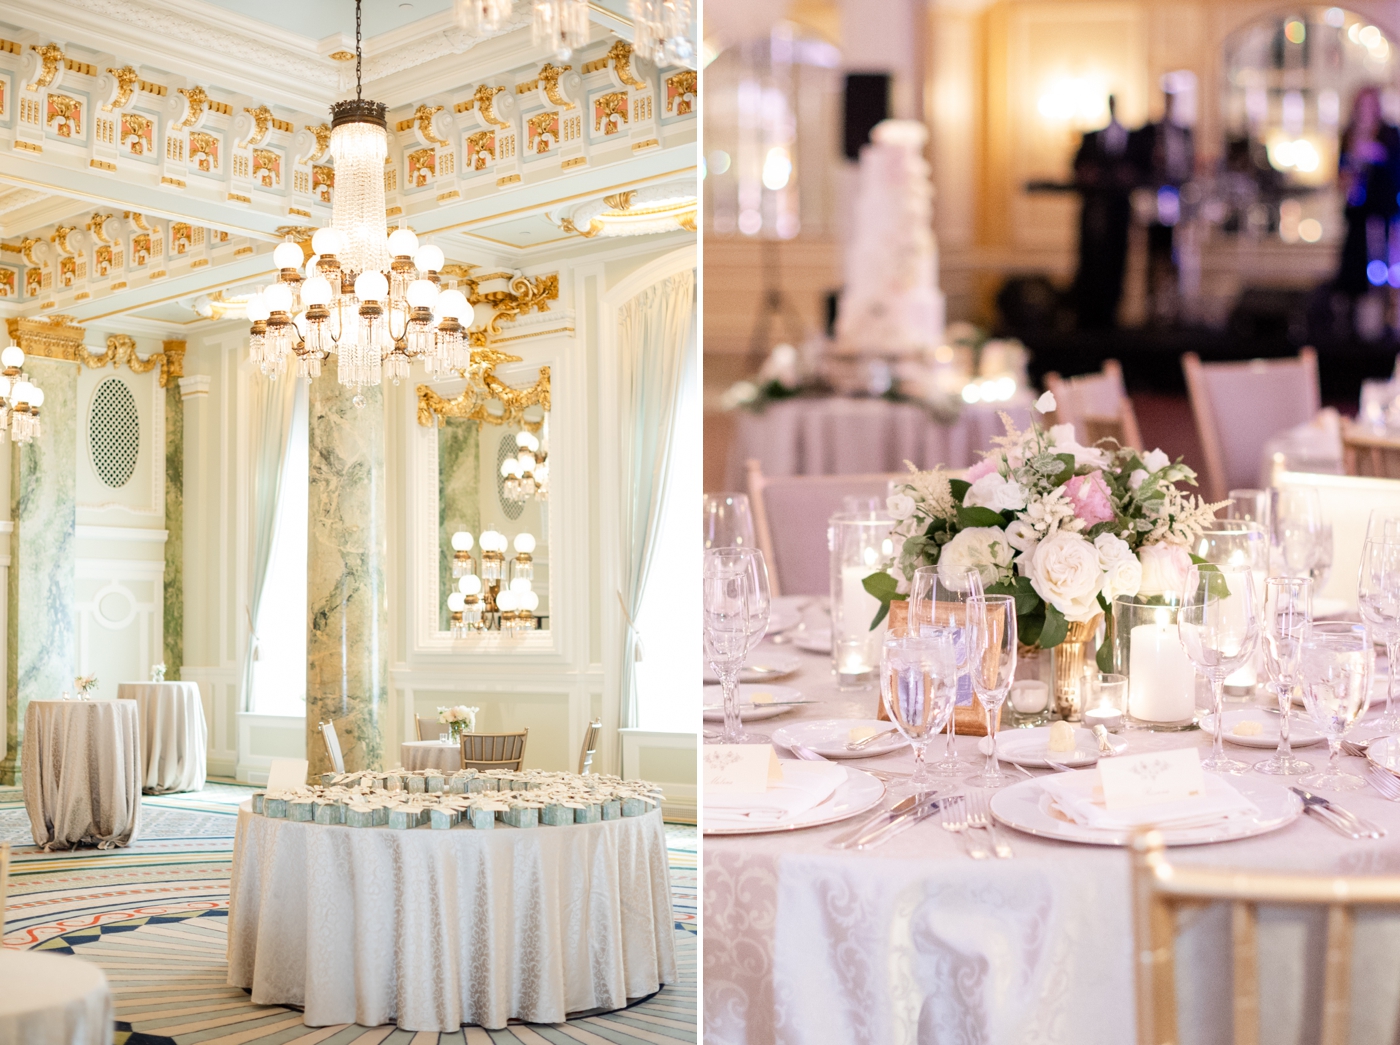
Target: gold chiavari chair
{"type": "Point", "coordinates": [1098, 405]}
{"type": "Point", "coordinates": [428, 727]}
{"type": "Point", "coordinates": [1160, 890]}
{"type": "Point", "coordinates": [1368, 454]}
{"type": "Point", "coordinates": [590, 746]}
{"type": "Point", "coordinates": [494, 750]}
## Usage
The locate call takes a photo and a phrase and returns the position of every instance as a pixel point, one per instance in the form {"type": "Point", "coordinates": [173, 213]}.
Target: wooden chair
{"type": "Point", "coordinates": [1161, 890]}
{"type": "Point", "coordinates": [1098, 405]}
{"type": "Point", "coordinates": [1239, 406]}
{"type": "Point", "coordinates": [1367, 453]}
{"type": "Point", "coordinates": [494, 750]}
{"type": "Point", "coordinates": [590, 746]}
{"type": "Point", "coordinates": [328, 734]}
{"type": "Point", "coordinates": [4, 882]}
{"type": "Point", "coordinates": [428, 727]}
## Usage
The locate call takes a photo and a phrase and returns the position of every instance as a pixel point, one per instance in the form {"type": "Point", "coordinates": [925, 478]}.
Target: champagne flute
{"type": "Point", "coordinates": [991, 623]}
{"type": "Point", "coordinates": [1378, 596]}
{"type": "Point", "coordinates": [918, 682]}
{"type": "Point", "coordinates": [938, 597]}
{"type": "Point", "coordinates": [1218, 629]}
{"type": "Point", "coordinates": [1287, 615]}
{"type": "Point", "coordinates": [734, 584]}
{"type": "Point", "coordinates": [1337, 664]}
{"type": "Point", "coordinates": [728, 521]}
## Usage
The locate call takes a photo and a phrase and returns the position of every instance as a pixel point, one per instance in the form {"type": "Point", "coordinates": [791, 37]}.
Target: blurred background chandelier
{"type": "Point", "coordinates": [525, 475]}
{"type": "Point", "coordinates": [369, 296]}
{"type": "Point", "coordinates": [20, 398]}
{"type": "Point", "coordinates": [661, 31]}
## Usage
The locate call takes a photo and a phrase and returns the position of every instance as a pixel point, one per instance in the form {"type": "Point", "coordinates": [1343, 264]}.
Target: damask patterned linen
{"type": "Point", "coordinates": [174, 736]}
{"type": "Point", "coordinates": [431, 754]}
{"type": "Point", "coordinates": [81, 769]}
{"type": "Point", "coordinates": [913, 942]}
{"type": "Point", "coordinates": [53, 999]}
{"type": "Point", "coordinates": [434, 929]}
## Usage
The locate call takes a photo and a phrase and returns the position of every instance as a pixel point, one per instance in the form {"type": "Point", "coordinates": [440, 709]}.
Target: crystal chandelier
{"type": "Point", "coordinates": [369, 296]}
{"type": "Point", "coordinates": [525, 475]}
{"type": "Point", "coordinates": [20, 398]}
{"type": "Point", "coordinates": [489, 601]}
{"type": "Point", "coordinates": [661, 31]}
{"type": "Point", "coordinates": [561, 25]}
{"type": "Point", "coordinates": [483, 15]}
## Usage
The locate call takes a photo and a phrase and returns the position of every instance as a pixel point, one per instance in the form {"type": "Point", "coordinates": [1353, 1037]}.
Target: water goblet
{"type": "Point", "coordinates": [728, 521]}
{"type": "Point", "coordinates": [1218, 629]}
{"type": "Point", "coordinates": [918, 683]}
{"type": "Point", "coordinates": [734, 585]}
{"type": "Point", "coordinates": [1337, 664]}
{"type": "Point", "coordinates": [1287, 616]}
{"type": "Point", "coordinates": [1295, 514]}
{"type": "Point", "coordinates": [991, 625]}
{"type": "Point", "coordinates": [938, 597]}
{"type": "Point", "coordinates": [1378, 597]}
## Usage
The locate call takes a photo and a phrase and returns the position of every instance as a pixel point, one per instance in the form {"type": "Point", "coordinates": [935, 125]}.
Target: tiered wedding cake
{"type": "Point", "coordinates": [891, 306]}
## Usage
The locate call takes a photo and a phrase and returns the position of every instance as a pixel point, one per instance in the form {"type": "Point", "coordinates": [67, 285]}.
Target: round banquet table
{"type": "Point", "coordinates": [913, 941]}
{"type": "Point", "coordinates": [174, 736]}
{"type": "Point", "coordinates": [53, 999]}
{"type": "Point", "coordinates": [81, 769]}
{"type": "Point", "coordinates": [834, 435]}
{"type": "Point", "coordinates": [434, 929]}
{"type": "Point", "coordinates": [431, 754]}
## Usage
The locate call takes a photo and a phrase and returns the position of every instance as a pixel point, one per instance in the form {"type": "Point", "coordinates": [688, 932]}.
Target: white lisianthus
{"type": "Point", "coordinates": [994, 492]}
{"type": "Point", "coordinates": [1122, 573]}
{"type": "Point", "coordinates": [1064, 570]}
{"type": "Point", "coordinates": [1063, 441]}
{"type": "Point", "coordinates": [1164, 568]}
{"type": "Point", "coordinates": [983, 547]}
{"type": "Point", "coordinates": [1046, 403]}
{"type": "Point", "coordinates": [1155, 461]}
{"type": "Point", "coordinates": [1022, 536]}
{"type": "Point", "coordinates": [900, 506]}
{"type": "Point", "coordinates": [1136, 479]}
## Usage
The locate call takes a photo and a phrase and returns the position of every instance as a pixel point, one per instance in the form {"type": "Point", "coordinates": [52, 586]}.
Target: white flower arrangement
{"type": "Point", "coordinates": [459, 713]}
{"type": "Point", "coordinates": [83, 684]}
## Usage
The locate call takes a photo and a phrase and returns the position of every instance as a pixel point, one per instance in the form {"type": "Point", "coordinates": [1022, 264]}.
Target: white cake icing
{"type": "Point", "coordinates": [891, 305]}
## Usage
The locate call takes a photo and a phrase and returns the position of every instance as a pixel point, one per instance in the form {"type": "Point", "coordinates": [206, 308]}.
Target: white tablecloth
{"type": "Point", "coordinates": [838, 436]}
{"type": "Point", "coordinates": [914, 942]}
{"type": "Point", "coordinates": [434, 929]}
{"type": "Point", "coordinates": [174, 736]}
{"type": "Point", "coordinates": [53, 999]}
{"type": "Point", "coordinates": [81, 767]}
{"type": "Point", "coordinates": [431, 754]}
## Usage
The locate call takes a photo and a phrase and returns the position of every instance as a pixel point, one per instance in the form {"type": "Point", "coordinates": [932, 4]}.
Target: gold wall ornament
{"type": "Point", "coordinates": [621, 200]}
{"type": "Point", "coordinates": [53, 337]}
{"type": "Point", "coordinates": [126, 85]}
{"type": "Point", "coordinates": [26, 247]}
{"type": "Point", "coordinates": [594, 227]}
{"type": "Point", "coordinates": [51, 55]}
{"type": "Point", "coordinates": [621, 55]}
{"type": "Point", "coordinates": [297, 234]}
{"type": "Point", "coordinates": [121, 348]}
{"type": "Point", "coordinates": [323, 139]}
{"type": "Point", "coordinates": [687, 221]}
{"type": "Point", "coordinates": [262, 120]}
{"type": "Point", "coordinates": [197, 100]}
{"type": "Point", "coordinates": [97, 225]}
{"type": "Point", "coordinates": [479, 146]}
{"type": "Point", "coordinates": [681, 90]}
{"type": "Point", "coordinates": [525, 294]}
{"type": "Point", "coordinates": [138, 219]}
{"type": "Point", "coordinates": [68, 112]}
{"type": "Point", "coordinates": [608, 110]}
{"type": "Point", "coordinates": [543, 128]}
{"type": "Point", "coordinates": [483, 388]}
{"type": "Point", "coordinates": [485, 103]}
{"type": "Point", "coordinates": [134, 125]}
{"type": "Point", "coordinates": [60, 236]}
{"type": "Point", "coordinates": [423, 117]}
{"type": "Point", "coordinates": [549, 76]}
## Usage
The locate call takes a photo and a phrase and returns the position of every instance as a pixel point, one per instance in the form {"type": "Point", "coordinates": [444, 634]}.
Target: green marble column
{"type": "Point", "coordinates": [40, 648]}
{"type": "Point", "coordinates": [174, 613]}
{"type": "Point", "coordinates": [347, 631]}
{"type": "Point", "coordinates": [459, 498]}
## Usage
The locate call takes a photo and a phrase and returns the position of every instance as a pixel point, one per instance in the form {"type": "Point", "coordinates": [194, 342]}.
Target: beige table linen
{"type": "Point", "coordinates": [434, 929]}
{"type": "Point", "coordinates": [53, 999]}
{"type": "Point", "coordinates": [431, 754]}
{"type": "Point", "coordinates": [914, 942]}
{"type": "Point", "coordinates": [174, 736]}
{"type": "Point", "coordinates": [81, 769]}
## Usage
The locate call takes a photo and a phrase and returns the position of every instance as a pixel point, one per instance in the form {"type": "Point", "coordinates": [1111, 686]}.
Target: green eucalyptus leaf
{"type": "Point", "coordinates": [1056, 628]}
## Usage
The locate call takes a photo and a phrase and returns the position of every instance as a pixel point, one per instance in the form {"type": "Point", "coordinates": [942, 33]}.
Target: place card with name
{"type": "Point", "coordinates": [1130, 781]}
{"type": "Point", "coordinates": [741, 768]}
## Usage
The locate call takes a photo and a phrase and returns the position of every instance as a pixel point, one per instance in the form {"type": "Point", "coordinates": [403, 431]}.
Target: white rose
{"type": "Point", "coordinates": [1111, 549]}
{"type": "Point", "coordinates": [983, 547]}
{"type": "Point", "coordinates": [899, 505]}
{"type": "Point", "coordinates": [1137, 478]}
{"type": "Point", "coordinates": [1062, 440]}
{"type": "Point", "coordinates": [1155, 461]}
{"type": "Point", "coordinates": [1065, 572]}
{"type": "Point", "coordinates": [1122, 577]}
{"type": "Point", "coordinates": [994, 492]}
{"type": "Point", "coordinates": [1164, 568]}
{"type": "Point", "coordinates": [1046, 403]}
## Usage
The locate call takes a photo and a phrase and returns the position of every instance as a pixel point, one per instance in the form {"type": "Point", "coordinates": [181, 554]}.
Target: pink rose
{"type": "Point", "coordinates": [1090, 497]}
{"type": "Point", "coordinates": [986, 466]}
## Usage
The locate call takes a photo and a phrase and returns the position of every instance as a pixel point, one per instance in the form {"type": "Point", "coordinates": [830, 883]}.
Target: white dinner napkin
{"type": "Point", "coordinates": [805, 786]}
{"type": "Point", "coordinates": [1079, 796]}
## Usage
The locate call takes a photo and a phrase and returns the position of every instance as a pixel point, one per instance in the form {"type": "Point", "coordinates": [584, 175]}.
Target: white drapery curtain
{"type": "Point", "coordinates": [654, 330]}
{"type": "Point", "coordinates": [270, 406]}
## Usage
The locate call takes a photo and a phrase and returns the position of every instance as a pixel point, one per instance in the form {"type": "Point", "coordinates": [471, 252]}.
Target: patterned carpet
{"type": "Point", "coordinates": [154, 916]}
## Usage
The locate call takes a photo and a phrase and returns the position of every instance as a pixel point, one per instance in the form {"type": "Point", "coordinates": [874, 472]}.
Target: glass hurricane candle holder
{"type": "Point", "coordinates": [1161, 689]}
{"type": "Point", "coordinates": [860, 544]}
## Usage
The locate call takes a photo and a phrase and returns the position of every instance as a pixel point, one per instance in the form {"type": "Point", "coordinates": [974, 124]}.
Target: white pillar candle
{"type": "Point", "coordinates": [856, 647]}
{"type": "Point", "coordinates": [1161, 678]}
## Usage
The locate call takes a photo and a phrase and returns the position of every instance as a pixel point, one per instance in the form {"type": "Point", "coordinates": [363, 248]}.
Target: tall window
{"type": "Point", "coordinates": [279, 673]}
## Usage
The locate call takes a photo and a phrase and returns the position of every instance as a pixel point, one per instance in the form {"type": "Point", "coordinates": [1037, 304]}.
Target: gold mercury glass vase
{"type": "Point", "coordinates": [1069, 658]}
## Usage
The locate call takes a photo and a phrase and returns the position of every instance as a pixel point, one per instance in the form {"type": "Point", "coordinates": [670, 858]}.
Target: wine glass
{"type": "Point", "coordinates": [1249, 506]}
{"type": "Point", "coordinates": [1287, 615]}
{"type": "Point", "coordinates": [991, 626]}
{"type": "Point", "coordinates": [1337, 664]}
{"type": "Point", "coordinates": [728, 521]}
{"type": "Point", "coordinates": [1378, 596]}
{"type": "Point", "coordinates": [1218, 630]}
{"type": "Point", "coordinates": [1383, 526]}
{"type": "Point", "coordinates": [1295, 513]}
{"type": "Point", "coordinates": [918, 682]}
{"type": "Point", "coordinates": [1235, 546]}
{"type": "Point", "coordinates": [938, 597]}
{"type": "Point", "coordinates": [734, 582]}
{"type": "Point", "coordinates": [1322, 557]}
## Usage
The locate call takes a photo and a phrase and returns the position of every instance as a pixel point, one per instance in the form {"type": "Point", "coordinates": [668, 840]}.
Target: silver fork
{"type": "Point", "coordinates": [804, 752]}
{"type": "Point", "coordinates": [955, 821]}
{"type": "Point", "coordinates": [1351, 747]}
{"type": "Point", "coordinates": [1383, 782]}
{"type": "Point", "coordinates": [978, 815]}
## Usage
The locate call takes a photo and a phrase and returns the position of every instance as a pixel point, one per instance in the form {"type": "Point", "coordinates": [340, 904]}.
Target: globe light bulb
{"type": "Point", "coordinates": [525, 543]}
{"type": "Point", "coordinates": [510, 468]}
{"type": "Point", "coordinates": [371, 286]}
{"type": "Point", "coordinates": [461, 541]}
{"type": "Point", "coordinates": [21, 391]}
{"type": "Point", "coordinates": [256, 308]}
{"type": "Point", "coordinates": [470, 585]}
{"type": "Point", "coordinates": [316, 291]}
{"type": "Point", "coordinates": [494, 537]}
{"type": "Point", "coordinates": [520, 584]}
{"type": "Point", "coordinates": [452, 303]}
{"type": "Point", "coordinates": [456, 602]}
{"type": "Point", "coordinates": [527, 440]}
{"type": "Point", "coordinates": [12, 357]}
{"type": "Point", "coordinates": [429, 259]}
{"type": "Point", "coordinates": [36, 398]}
{"type": "Point", "coordinates": [541, 474]}
{"type": "Point", "coordinates": [530, 601]}
{"type": "Point", "coordinates": [278, 297]}
{"type": "Point", "coordinates": [287, 256]}
{"type": "Point", "coordinates": [327, 241]}
{"type": "Point", "coordinates": [403, 243]}
{"type": "Point", "coordinates": [422, 293]}
{"type": "Point", "coordinates": [506, 601]}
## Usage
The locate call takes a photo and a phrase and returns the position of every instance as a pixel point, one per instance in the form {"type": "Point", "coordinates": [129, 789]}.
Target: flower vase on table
{"type": "Point", "coordinates": [158, 672]}
{"type": "Point", "coordinates": [85, 684]}
{"type": "Point", "coordinates": [458, 719]}
{"type": "Point", "coordinates": [1070, 659]}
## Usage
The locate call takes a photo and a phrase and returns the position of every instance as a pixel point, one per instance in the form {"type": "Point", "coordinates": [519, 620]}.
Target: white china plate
{"type": "Point", "coordinates": [1301, 731]}
{"type": "Point", "coordinates": [860, 792]}
{"type": "Point", "coordinates": [828, 736]}
{"type": "Point", "coordinates": [763, 665]}
{"type": "Point", "coordinates": [1020, 806]}
{"type": "Point", "coordinates": [785, 612]}
{"type": "Point", "coordinates": [748, 710]}
{"type": "Point", "coordinates": [1385, 753]}
{"type": "Point", "coordinates": [813, 640]}
{"type": "Point", "coordinates": [1031, 748]}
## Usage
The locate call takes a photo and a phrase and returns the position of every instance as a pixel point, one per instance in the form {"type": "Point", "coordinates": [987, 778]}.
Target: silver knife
{"type": "Point", "coordinates": [1346, 822]}
{"type": "Point", "coordinates": [899, 823]}
{"type": "Point", "coordinates": [883, 816]}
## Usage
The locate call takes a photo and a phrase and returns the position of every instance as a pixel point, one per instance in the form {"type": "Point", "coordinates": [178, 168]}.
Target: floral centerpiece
{"type": "Point", "coordinates": [158, 672]}
{"type": "Point", "coordinates": [84, 684]}
{"type": "Point", "coordinates": [458, 719]}
{"type": "Point", "coordinates": [1063, 528]}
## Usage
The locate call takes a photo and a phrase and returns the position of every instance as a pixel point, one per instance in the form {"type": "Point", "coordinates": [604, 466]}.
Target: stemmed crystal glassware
{"type": "Point", "coordinates": [1383, 526]}
{"type": "Point", "coordinates": [918, 683]}
{"type": "Point", "coordinates": [734, 583]}
{"type": "Point", "coordinates": [991, 627]}
{"type": "Point", "coordinates": [1249, 506]}
{"type": "Point", "coordinates": [938, 598]}
{"type": "Point", "coordinates": [1287, 616]}
{"type": "Point", "coordinates": [1338, 662]}
{"type": "Point", "coordinates": [1219, 629]}
{"type": "Point", "coordinates": [1295, 514]}
{"type": "Point", "coordinates": [728, 521]}
{"type": "Point", "coordinates": [1378, 595]}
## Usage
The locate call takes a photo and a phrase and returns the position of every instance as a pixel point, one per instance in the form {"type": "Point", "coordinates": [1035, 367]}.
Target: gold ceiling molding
{"type": "Point", "coordinates": [323, 139]}
{"type": "Point", "coordinates": [472, 404]}
{"type": "Point", "coordinates": [121, 348]}
{"type": "Point", "coordinates": [549, 76]}
{"type": "Point", "coordinates": [53, 337]}
{"type": "Point", "coordinates": [524, 294]}
{"type": "Point", "coordinates": [196, 100]}
{"type": "Point", "coordinates": [621, 55]}
{"type": "Point", "coordinates": [49, 55]}
{"type": "Point", "coordinates": [126, 85]}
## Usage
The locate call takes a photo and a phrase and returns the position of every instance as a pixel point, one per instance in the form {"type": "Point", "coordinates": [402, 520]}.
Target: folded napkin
{"type": "Point", "coordinates": [1079, 797]}
{"type": "Point", "coordinates": [805, 786]}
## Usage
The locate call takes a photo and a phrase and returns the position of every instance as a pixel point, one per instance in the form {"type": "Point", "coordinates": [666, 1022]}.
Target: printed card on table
{"type": "Point", "coordinates": [1158, 776]}
{"type": "Point", "coordinates": [741, 768]}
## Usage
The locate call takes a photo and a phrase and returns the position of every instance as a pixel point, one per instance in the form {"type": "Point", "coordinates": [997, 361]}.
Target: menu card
{"type": "Point", "coordinates": [741, 768]}
{"type": "Point", "coordinates": [1130, 781]}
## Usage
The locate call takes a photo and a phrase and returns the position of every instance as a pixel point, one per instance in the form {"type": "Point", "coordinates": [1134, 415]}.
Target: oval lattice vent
{"type": "Point", "coordinates": [114, 432]}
